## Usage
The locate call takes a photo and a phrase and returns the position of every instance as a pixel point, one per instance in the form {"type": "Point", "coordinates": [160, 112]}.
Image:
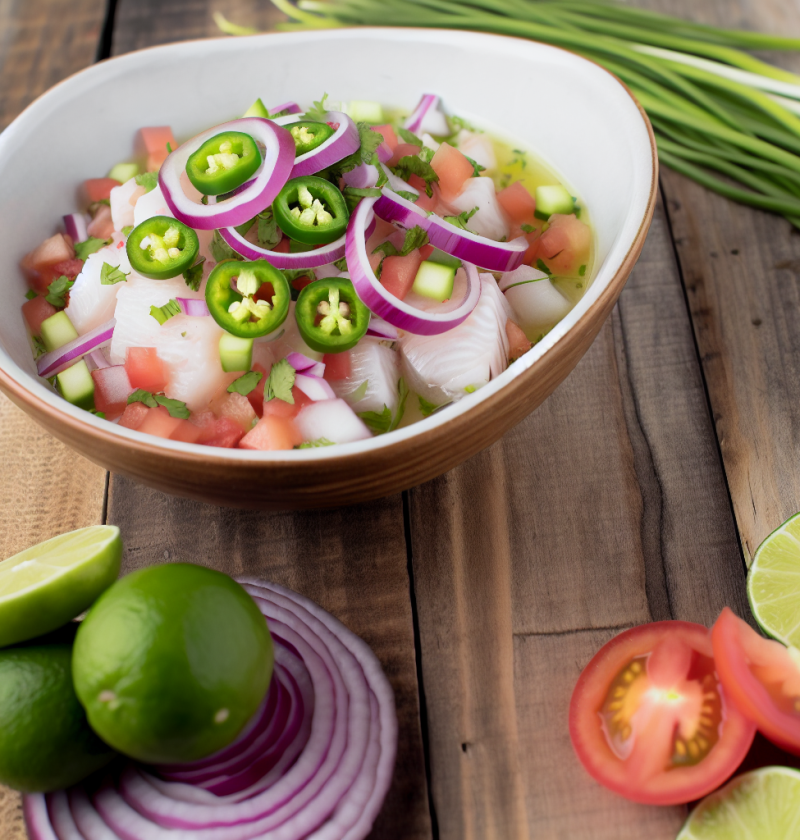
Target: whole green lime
{"type": "Point", "coordinates": [171, 662]}
{"type": "Point", "coordinates": [45, 739]}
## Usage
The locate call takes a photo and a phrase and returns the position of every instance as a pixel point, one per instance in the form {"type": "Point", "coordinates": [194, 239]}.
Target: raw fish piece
{"type": "Point", "coordinates": [122, 200]}
{"type": "Point", "coordinates": [537, 305]}
{"type": "Point", "coordinates": [378, 364]}
{"type": "Point", "coordinates": [333, 420]}
{"type": "Point", "coordinates": [150, 204]}
{"type": "Point", "coordinates": [489, 220]}
{"type": "Point", "coordinates": [440, 367]}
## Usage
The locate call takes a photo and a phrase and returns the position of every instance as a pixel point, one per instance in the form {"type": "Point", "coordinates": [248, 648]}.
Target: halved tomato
{"type": "Point", "coordinates": [650, 720]}
{"type": "Point", "coordinates": [761, 676]}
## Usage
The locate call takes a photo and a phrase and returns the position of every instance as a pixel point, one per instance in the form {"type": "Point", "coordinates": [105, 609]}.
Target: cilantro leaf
{"type": "Point", "coordinates": [58, 290]}
{"type": "Point", "coordinates": [413, 165]}
{"type": "Point", "coordinates": [459, 123]}
{"type": "Point", "coordinates": [220, 249]}
{"type": "Point", "coordinates": [408, 196]}
{"type": "Point", "coordinates": [342, 264]}
{"type": "Point", "coordinates": [30, 295]}
{"type": "Point", "coordinates": [148, 180]}
{"type": "Point", "coordinates": [176, 408]}
{"type": "Point", "coordinates": [280, 382]}
{"type": "Point", "coordinates": [527, 228]}
{"type": "Point", "coordinates": [89, 246]}
{"type": "Point", "coordinates": [194, 275]}
{"type": "Point", "coordinates": [110, 275]}
{"type": "Point", "coordinates": [369, 140]}
{"type": "Point", "coordinates": [38, 346]}
{"type": "Point", "coordinates": [427, 408]}
{"type": "Point", "coordinates": [317, 111]}
{"type": "Point", "coordinates": [383, 178]}
{"type": "Point", "coordinates": [476, 167]}
{"type": "Point", "coordinates": [97, 413]}
{"type": "Point", "coordinates": [268, 233]}
{"type": "Point", "coordinates": [313, 444]}
{"type": "Point", "coordinates": [162, 314]}
{"type": "Point", "coordinates": [582, 271]}
{"type": "Point", "coordinates": [352, 195]}
{"type": "Point", "coordinates": [246, 383]}
{"type": "Point", "coordinates": [126, 231]}
{"type": "Point", "coordinates": [415, 238]}
{"type": "Point", "coordinates": [142, 396]}
{"type": "Point", "coordinates": [382, 422]}
{"type": "Point", "coordinates": [542, 267]}
{"type": "Point", "coordinates": [460, 221]}
{"type": "Point", "coordinates": [408, 137]}
{"type": "Point", "coordinates": [426, 154]}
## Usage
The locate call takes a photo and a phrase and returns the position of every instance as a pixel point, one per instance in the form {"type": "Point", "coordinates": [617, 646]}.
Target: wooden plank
{"type": "Point", "coordinates": [45, 488]}
{"type": "Point", "coordinates": [605, 508]}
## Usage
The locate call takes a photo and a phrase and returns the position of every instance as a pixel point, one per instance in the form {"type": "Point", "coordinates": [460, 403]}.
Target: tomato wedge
{"type": "Point", "coordinates": [761, 676]}
{"type": "Point", "coordinates": [650, 720]}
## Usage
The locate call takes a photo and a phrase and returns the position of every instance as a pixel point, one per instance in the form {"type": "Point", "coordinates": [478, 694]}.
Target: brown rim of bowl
{"type": "Point", "coordinates": [24, 398]}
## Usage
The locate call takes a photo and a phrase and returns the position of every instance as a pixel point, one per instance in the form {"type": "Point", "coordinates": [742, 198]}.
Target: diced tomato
{"type": "Point", "coordinates": [69, 268]}
{"type": "Point", "coordinates": [35, 311]}
{"type": "Point", "coordinates": [426, 250]}
{"type": "Point", "coordinates": [389, 135]}
{"type": "Point", "coordinates": [206, 421]}
{"type": "Point", "coordinates": [453, 170]}
{"type": "Point", "coordinates": [145, 369]}
{"type": "Point", "coordinates": [398, 273]}
{"type": "Point", "coordinates": [424, 202]}
{"type": "Point", "coordinates": [519, 205]}
{"type": "Point", "coordinates": [101, 225]}
{"type": "Point", "coordinates": [99, 189]}
{"type": "Point", "coordinates": [337, 366]}
{"type": "Point", "coordinates": [133, 416]}
{"type": "Point", "coordinates": [565, 245]}
{"type": "Point", "coordinates": [38, 266]}
{"type": "Point", "coordinates": [402, 150]}
{"type": "Point", "coordinates": [159, 422]}
{"type": "Point", "coordinates": [272, 433]}
{"type": "Point", "coordinates": [187, 432]}
{"type": "Point", "coordinates": [761, 677]}
{"type": "Point", "coordinates": [299, 283]}
{"type": "Point", "coordinates": [281, 408]}
{"type": "Point", "coordinates": [532, 254]}
{"type": "Point", "coordinates": [227, 433]}
{"type": "Point", "coordinates": [238, 408]}
{"type": "Point", "coordinates": [256, 396]}
{"type": "Point", "coordinates": [153, 140]}
{"type": "Point", "coordinates": [283, 246]}
{"type": "Point", "coordinates": [111, 390]}
{"type": "Point", "coordinates": [517, 340]}
{"type": "Point", "coordinates": [650, 720]}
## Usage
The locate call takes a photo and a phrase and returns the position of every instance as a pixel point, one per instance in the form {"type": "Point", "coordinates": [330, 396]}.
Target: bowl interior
{"type": "Point", "coordinates": [571, 113]}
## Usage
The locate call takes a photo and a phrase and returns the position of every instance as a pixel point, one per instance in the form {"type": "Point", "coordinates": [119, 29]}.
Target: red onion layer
{"type": "Point", "coordinates": [75, 227]}
{"type": "Point", "coordinates": [427, 117]}
{"type": "Point", "coordinates": [343, 142]}
{"type": "Point", "coordinates": [57, 360]}
{"type": "Point", "coordinates": [195, 307]}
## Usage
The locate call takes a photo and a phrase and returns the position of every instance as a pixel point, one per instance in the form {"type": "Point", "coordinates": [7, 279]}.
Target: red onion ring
{"type": "Point", "coordinates": [382, 329]}
{"type": "Point", "coordinates": [196, 307]}
{"type": "Point", "coordinates": [343, 142]}
{"type": "Point", "coordinates": [260, 192]}
{"type": "Point", "coordinates": [427, 117]}
{"type": "Point", "coordinates": [383, 303]}
{"type": "Point", "coordinates": [303, 364]}
{"type": "Point", "coordinates": [57, 360]}
{"type": "Point", "coordinates": [483, 252]}
{"type": "Point", "coordinates": [291, 107]}
{"type": "Point", "coordinates": [75, 226]}
{"type": "Point", "coordinates": [314, 387]}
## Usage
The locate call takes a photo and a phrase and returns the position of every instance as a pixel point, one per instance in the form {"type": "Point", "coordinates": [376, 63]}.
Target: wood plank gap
{"type": "Point", "coordinates": [104, 518]}
{"type": "Point", "coordinates": [706, 390]}
{"type": "Point", "coordinates": [536, 634]}
{"type": "Point", "coordinates": [106, 42]}
{"type": "Point", "coordinates": [423, 708]}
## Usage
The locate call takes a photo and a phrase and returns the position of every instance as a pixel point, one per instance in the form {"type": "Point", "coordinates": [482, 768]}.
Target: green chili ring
{"type": "Point", "coordinates": [155, 261]}
{"type": "Point", "coordinates": [328, 337]}
{"type": "Point", "coordinates": [229, 174]}
{"type": "Point", "coordinates": [318, 132]}
{"type": "Point", "coordinates": [317, 232]}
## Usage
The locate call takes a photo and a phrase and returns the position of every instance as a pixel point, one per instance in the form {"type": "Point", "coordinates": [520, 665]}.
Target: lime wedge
{"type": "Point", "coordinates": [763, 804]}
{"type": "Point", "coordinates": [47, 585]}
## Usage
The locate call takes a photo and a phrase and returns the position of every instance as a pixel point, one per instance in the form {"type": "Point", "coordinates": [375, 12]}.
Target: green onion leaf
{"type": "Point", "coordinates": [162, 314]}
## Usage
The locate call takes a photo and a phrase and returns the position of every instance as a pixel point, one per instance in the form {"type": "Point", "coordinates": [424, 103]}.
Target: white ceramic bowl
{"type": "Point", "coordinates": [576, 116]}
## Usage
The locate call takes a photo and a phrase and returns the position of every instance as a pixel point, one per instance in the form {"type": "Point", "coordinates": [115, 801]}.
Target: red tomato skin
{"type": "Point", "coordinates": [99, 189]}
{"type": "Point", "coordinates": [145, 369]}
{"type": "Point", "coordinates": [731, 637]}
{"type": "Point", "coordinates": [399, 273]}
{"type": "Point", "coordinates": [517, 203]}
{"type": "Point", "coordinates": [403, 150]}
{"type": "Point", "coordinates": [35, 311]}
{"type": "Point", "coordinates": [453, 169]}
{"type": "Point", "coordinates": [679, 785]}
{"type": "Point", "coordinates": [389, 135]}
{"type": "Point", "coordinates": [337, 366]}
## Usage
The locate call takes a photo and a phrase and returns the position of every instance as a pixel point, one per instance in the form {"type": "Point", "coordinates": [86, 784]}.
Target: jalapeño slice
{"type": "Point", "coordinates": [311, 210]}
{"type": "Point", "coordinates": [308, 135]}
{"type": "Point", "coordinates": [330, 315]}
{"type": "Point", "coordinates": [223, 162]}
{"type": "Point", "coordinates": [162, 247]}
{"type": "Point", "coordinates": [257, 305]}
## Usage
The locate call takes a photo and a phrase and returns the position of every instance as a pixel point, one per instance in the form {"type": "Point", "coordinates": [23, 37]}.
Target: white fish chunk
{"type": "Point", "coordinates": [123, 199]}
{"type": "Point", "coordinates": [378, 365]}
{"type": "Point", "coordinates": [489, 220]}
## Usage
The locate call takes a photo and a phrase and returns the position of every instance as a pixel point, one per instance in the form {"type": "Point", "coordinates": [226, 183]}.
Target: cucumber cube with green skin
{"type": "Point", "coordinates": [57, 330]}
{"type": "Point", "coordinates": [257, 109]}
{"type": "Point", "coordinates": [553, 199]}
{"type": "Point", "coordinates": [235, 353]}
{"type": "Point", "coordinates": [444, 258]}
{"type": "Point", "coordinates": [434, 280]}
{"type": "Point", "coordinates": [76, 385]}
{"type": "Point", "coordinates": [365, 111]}
{"type": "Point", "coordinates": [123, 172]}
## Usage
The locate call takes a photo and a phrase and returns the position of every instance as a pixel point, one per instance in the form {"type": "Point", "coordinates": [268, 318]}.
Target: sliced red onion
{"type": "Point", "coordinates": [365, 175]}
{"type": "Point", "coordinates": [384, 152]}
{"type": "Point", "coordinates": [428, 117]}
{"type": "Point", "coordinates": [57, 360]}
{"type": "Point", "coordinates": [343, 142]}
{"type": "Point", "coordinates": [303, 364]}
{"type": "Point", "coordinates": [260, 192]}
{"type": "Point", "coordinates": [314, 387]}
{"type": "Point", "coordinates": [382, 329]}
{"type": "Point", "coordinates": [384, 303]}
{"type": "Point", "coordinates": [396, 183]}
{"type": "Point", "coordinates": [291, 107]}
{"type": "Point", "coordinates": [75, 226]}
{"type": "Point", "coordinates": [483, 252]}
{"type": "Point", "coordinates": [196, 307]}
{"type": "Point", "coordinates": [96, 360]}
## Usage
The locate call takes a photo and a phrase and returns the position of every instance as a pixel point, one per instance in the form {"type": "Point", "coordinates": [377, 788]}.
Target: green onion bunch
{"type": "Point", "coordinates": [722, 117]}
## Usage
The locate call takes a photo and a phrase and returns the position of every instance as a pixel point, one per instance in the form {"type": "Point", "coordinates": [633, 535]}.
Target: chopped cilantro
{"type": "Point", "coordinates": [194, 275]}
{"type": "Point", "coordinates": [413, 165]}
{"type": "Point", "coordinates": [162, 314]}
{"type": "Point", "coordinates": [408, 196]}
{"type": "Point", "coordinates": [38, 346]}
{"type": "Point", "coordinates": [148, 180]}
{"type": "Point", "coordinates": [415, 238]}
{"type": "Point", "coordinates": [476, 167]}
{"type": "Point", "coordinates": [313, 444]}
{"type": "Point", "coordinates": [460, 221]}
{"type": "Point", "coordinates": [470, 389]}
{"type": "Point", "coordinates": [58, 290]}
{"type": "Point", "coordinates": [280, 382]}
{"type": "Point", "coordinates": [369, 140]}
{"type": "Point", "coordinates": [381, 422]}
{"type": "Point", "coordinates": [268, 233]}
{"type": "Point", "coordinates": [30, 295]}
{"type": "Point", "coordinates": [89, 246]}
{"type": "Point", "coordinates": [383, 178]}
{"type": "Point", "coordinates": [579, 285]}
{"type": "Point", "coordinates": [176, 408]}
{"type": "Point", "coordinates": [126, 231]}
{"type": "Point", "coordinates": [317, 111]}
{"type": "Point", "coordinates": [244, 227]}
{"type": "Point", "coordinates": [169, 148]}
{"type": "Point", "coordinates": [352, 195]}
{"type": "Point", "coordinates": [408, 137]}
{"type": "Point", "coordinates": [427, 408]}
{"type": "Point", "coordinates": [245, 384]}
{"type": "Point", "coordinates": [582, 271]}
{"type": "Point", "coordinates": [459, 123]}
{"type": "Point", "coordinates": [292, 274]}
{"type": "Point", "coordinates": [542, 267]}
{"type": "Point", "coordinates": [97, 413]}
{"type": "Point", "coordinates": [110, 275]}
{"type": "Point", "coordinates": [426, 154]}
{"type": "Point", "coordinates": [341, 264]}
{"type": "Point", "coordinates": [220, 249]}
{"type": "Point", "coordinates": [527, 228]}
{"type": "Point", "coordinates": [142, 396]}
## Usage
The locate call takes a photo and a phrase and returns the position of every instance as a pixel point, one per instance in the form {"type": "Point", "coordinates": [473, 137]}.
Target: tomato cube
{"type": "Point", "coordinates": [398, 273]}
{"type": "Point", "coordinates": [153, 141]}
{"type": "Point", "coordinates": [159, 422]}
{"type": "Point", "coordinates": [99, 189]}
{"type": "Point", "coordinates": [145, 369]}
{"type": "Point", "coordinates": [111, 390]}
{"type": "Point", "coordinates": [272, 433]}
{"type": "Point", "coordinates": [133, 416]}
{"type": "Point", "coordinates": [337, 366]}
{"type": "Point", "coordinates": [238, 408]}
{"type": "Point", "coordinates": [35, 311]}
{"type": "Point", "coordinates": [519, 205]}
{"type": "Point", "coordinates": [389, 135]}
{"type": "Point", "coordinates": [403, 150]}
{"type": "Point", "coordinates": [227, 433]}
{"type": "Point", "coordinates": [453, 169]}
{"type": "Point", "coordinates": [187, 432]}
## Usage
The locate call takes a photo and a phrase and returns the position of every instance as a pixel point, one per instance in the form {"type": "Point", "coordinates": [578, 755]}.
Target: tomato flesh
{"type": "Point", "coordinates": [762, 677]}
{"type": "Point", "coordinates": [650, 720]}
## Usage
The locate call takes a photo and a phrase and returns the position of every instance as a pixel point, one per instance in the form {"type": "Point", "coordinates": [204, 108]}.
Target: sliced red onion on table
{"type": "Point", "coordinates": [302, 364]}
{"type": "Point", "coordinates": [196, 307]}
{"type": "Point", "coordinates": [483, 252]}
{"type": "Point", "coordinates": [75, 227]}
{"type": "Point", "coordinates": [322, 771]}
{"type": "Point", "coordinates": [428, 117]}
{"type": "Point", "coordinates": [314, 387]}
{"type": "Point", "coordinates": [260, 192]}
{"type": "Point", "coordinates": [383, 303]}
{"type": "Point", "coordinates": [57, 360]}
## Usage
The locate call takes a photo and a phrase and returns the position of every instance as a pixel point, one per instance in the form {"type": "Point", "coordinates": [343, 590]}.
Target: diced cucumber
{"type": "Point", "coordinates": [257, 109]}
{"type": "Point", "coordinates": [434, 280]}
{"type": "Point", "coordinates": [235, 353]}
{"type": "Point", "coordinates": [364, 111]}
{"type": "Point", "coordinates": [77, 386]}
{"type": "Point", "coordinates": [444, 259]}
{"type": "Point", "coordinates": [553, 199]}
{"type": "Point", "coordinates": [123, 172]}
{"type": "Point", "coordinates": [57, 330]}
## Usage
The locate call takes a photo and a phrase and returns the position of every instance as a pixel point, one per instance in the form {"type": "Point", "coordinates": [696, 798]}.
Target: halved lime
{"type": "Point", "coordinates": [773, 583]}
{"type": "Point", "coordinates": [762, 804]}
{"type": "Point", "coordinates": [47, 585]}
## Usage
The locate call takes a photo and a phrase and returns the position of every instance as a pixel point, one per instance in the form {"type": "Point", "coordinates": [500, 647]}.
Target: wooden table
{"type": "Point", "coordinates": [637, 492]}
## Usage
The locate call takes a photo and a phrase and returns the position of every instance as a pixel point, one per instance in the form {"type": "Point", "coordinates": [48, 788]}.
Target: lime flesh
{"type": "Point", "coordinates": [49, 584]}
{"type": "Point", "coordinates": [773, 583]}
{"type": "Point", "coordinates": [761, 805]}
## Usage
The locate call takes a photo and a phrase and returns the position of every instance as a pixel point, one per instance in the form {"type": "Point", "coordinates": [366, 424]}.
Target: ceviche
{"type": "Point", "coordinates": [299, 278]}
